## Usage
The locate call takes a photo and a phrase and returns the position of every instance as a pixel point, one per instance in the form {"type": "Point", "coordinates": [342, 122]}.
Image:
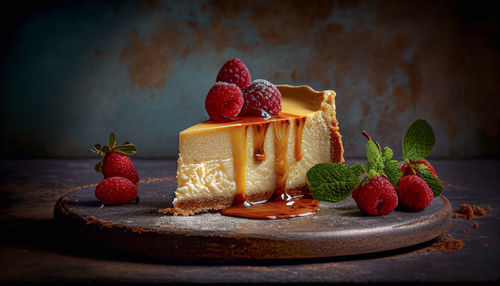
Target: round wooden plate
{"type": "Point", "coordinates": [337, 229]}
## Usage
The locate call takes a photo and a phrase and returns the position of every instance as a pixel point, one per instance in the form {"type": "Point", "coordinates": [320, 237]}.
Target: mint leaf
{"type": "Point", "coordinates": [356, 170]}
{"type": "Point", "coordinates": [418, 141]}
{"type": "Point", "coordinates": [430, 179]}
{"type": "Point", "coordinates": [393, 172]}
{"type": "Point", "coordinates": [333, 182]}
{"type": "Point", "coordinates": [326, 173]}
{"type": "Point", "coordinates": [372, 152]}
{"type": "Point", "coordinates": [387, 154]}
{"type": "Point", "coordinates": [333, 192]}
{"type": "Point", "coordinates": [375, 164]}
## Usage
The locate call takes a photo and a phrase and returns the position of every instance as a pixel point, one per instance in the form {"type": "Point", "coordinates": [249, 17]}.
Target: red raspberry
{"type": "Point", "coordinates": [117, 164]}
{"type": "Point", "coordinates": [224, 101]}
{"type": "Point", "coordinates": [413, 193]}
{"type": "Point", "coordinates": [262, 98]}
{"type": "Point", "coordinates": [377, 196]}
{"type": "Point", "coordinates": [406, 169]}
{"type": "Point", "coordinates": [115, 191]}
{"type": "Point", "coordinates": [234, 71]}
{"type": "Point", "coordinates": [355, 192]}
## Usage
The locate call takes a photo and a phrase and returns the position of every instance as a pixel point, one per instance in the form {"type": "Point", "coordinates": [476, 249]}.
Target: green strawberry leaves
{"type": "Point", "coordinates": [418, 141]}
{"type": "Point", "coordinates": [112, 140]}
{"type": "Point", "coordinates": [98, 167]}
{"type": "Point", "coordinates": [333, 182]}
{"type": "Point", "coordinates": [126, 148]}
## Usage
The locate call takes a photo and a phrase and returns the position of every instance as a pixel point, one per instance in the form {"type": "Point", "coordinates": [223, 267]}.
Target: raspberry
{"type": "Point", "coordinates": [224, 101]}
{"type": "Point", "coordinates": [262, 98]}
{"type": "Point", "coordinates": [406, 169]}
{"type": "Point", "coordinates": [376, 196]}
{"type": "Point", "coordinates": [115, 191]}
{"type": "Point", "coordinates": [413, 193]}
{"type": "Point", "coordinates": [234, 71]}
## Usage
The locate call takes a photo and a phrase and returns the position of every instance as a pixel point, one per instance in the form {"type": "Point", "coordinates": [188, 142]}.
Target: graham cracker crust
{"type": "Point", "coordinates": [195, 206]}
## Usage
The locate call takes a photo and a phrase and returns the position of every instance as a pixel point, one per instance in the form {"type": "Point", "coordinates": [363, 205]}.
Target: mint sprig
{"type": "Point", "coordinates": [333, 182]}
{"type": "Point", "coordinates": [380, 162]}
{"type": "Point", "coordinates": [418, 141]}
{"type": "Point", "coordinates": [417, 144]}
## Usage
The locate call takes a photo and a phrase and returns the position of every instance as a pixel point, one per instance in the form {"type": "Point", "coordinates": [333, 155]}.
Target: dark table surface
{"type": "Point", "coordinates": [32, 250]}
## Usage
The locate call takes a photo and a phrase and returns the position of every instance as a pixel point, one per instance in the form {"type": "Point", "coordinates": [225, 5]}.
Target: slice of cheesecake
{"type": "Point", "coordinates": [251, 158]}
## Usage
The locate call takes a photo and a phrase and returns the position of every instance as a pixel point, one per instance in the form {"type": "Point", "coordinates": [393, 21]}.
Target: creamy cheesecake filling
{"type": "Point", "coordinates": [253, 158]}
{"type": "Point", "coordinates": [206, 179]}
{"type": "Point", "coordinates": [239, 143]}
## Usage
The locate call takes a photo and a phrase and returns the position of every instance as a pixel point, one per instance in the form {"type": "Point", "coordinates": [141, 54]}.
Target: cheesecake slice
{"type": "Point", "coordinates": [250, 159]}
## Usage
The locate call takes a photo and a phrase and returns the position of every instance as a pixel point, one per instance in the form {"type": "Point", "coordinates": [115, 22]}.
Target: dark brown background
{"type": "Point", "coordinates": [74, 70]}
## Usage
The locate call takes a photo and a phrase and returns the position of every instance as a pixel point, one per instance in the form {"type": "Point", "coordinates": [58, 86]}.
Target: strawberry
{"type": "Point", "coordinates": [115, 191]}
{"type": "Point", "coordinates": [116, 164]}
{"type": "Point", "coordinates": [234, 71]}
{"type": "Point", "coordinates": [116, 161]}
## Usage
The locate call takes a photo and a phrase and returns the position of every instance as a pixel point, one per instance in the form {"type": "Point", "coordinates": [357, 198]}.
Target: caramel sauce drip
{"type": "Point", "coordinates": [274, 209]}
{"type": "Point", "coordinates": [281, 205]}
{"type": "Point", "coordinates": [239, 142]}
{"type": "Point", "coordinates": [281, 129]}
{"type": "Point", "coordinates": [299, 129]}
{"type": "Point", "coordinates": [259, 136]}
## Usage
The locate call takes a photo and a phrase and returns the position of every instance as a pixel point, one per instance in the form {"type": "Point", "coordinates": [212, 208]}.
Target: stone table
{"type": "Point", "coordinates": [32, 250]}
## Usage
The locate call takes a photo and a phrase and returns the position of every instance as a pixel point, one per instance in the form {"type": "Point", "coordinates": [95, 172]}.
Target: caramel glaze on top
{"type": "Point", "coordinates": [281, 205]}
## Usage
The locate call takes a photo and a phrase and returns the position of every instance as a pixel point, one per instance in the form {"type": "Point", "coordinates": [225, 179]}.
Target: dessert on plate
{"type": "Point", "coordinates": [251, 158]}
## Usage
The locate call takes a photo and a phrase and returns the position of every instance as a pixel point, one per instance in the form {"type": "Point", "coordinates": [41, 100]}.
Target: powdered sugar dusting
{"type": "Point", "coordinates": [222, 83]}
{"type": "Point", "coordinates": [261, 95]}
{"type": "Point", "coordinates": [234, 71]}
{"type": "Point", "coordinates": [341, 216]}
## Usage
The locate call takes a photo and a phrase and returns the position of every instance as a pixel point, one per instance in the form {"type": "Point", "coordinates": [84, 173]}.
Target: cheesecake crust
{"type": "Point", "coordinates": [200, 205]}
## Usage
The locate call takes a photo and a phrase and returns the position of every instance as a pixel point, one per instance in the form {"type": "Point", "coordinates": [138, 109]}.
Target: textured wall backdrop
{"type": "Point", "coordinates": [72, 71]}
